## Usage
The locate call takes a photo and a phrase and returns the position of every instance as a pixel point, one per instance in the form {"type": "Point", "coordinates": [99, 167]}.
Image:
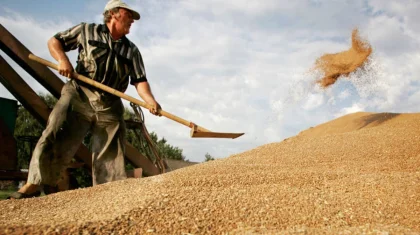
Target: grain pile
{"type": "Point", "coordinates": [334, 66]}
{"type": "Point", "coordinates": [356, 174]}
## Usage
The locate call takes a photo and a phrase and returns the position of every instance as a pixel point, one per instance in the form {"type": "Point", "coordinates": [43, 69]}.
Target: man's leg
{"type": "Point", "coordinates": [108, 153]}
{"type": "Point", "coordinates": [108, 145]}
{"type": "Point", "coordinates": [53, 153]}
{"type": "Point", "coordinates": [58, 143]}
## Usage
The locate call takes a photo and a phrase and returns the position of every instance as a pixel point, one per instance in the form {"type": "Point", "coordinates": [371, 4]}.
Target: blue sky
{"type": "Point", "coordinates": [45, 9]}
{"type": "Point", "coordinates": [242, 66]}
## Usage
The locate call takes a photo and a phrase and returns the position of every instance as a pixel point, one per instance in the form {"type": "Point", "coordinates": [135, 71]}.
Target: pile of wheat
{"type": "Point", "coordinates": [356, 174]}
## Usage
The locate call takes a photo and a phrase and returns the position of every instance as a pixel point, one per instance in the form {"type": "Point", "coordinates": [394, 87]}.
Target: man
{"type": "Point", "coordinates": [108, 57]}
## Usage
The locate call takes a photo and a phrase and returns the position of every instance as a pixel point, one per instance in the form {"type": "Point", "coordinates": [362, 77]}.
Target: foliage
{"type": "Point", "coordinates": [81, 176]}
{"type": "Point", "coordinates": [5, 193]}
{"type": "Point", "coordinates": [27, 132]}
{"type": "Point", "coordinates": [208, 157]}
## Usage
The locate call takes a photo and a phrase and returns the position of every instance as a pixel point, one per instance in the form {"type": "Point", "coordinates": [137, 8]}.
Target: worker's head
{"type": "Point", "coordinates": [120, 14]}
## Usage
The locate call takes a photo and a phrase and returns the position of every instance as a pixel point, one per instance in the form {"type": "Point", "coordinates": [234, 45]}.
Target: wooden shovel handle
{"type": "Point", "coordinates": [116, 93]}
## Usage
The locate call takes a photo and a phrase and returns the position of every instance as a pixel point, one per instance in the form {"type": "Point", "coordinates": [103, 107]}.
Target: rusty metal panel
{"type": "Point", "coordinates": [19, 53]}
{"type": "Point", "coordinates": [135, 173]}
{"type": "Point", "coordinates": [139, 160]}
{"type": "Point", "coordinates": [13, 175]}
{"type": "Point", "coordinates": [22, 92]}
{"type": "Point", "coordinates": [8, 152]}
{"type": "Point", "coordinates": [8, 112]}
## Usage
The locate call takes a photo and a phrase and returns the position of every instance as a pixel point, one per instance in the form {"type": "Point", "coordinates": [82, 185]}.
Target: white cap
{"type": "Point", "coordinates": [118, 3]}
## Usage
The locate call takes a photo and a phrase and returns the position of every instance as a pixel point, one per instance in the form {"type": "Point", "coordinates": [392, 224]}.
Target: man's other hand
{"type": "Point", "coordinates": [154, 108]}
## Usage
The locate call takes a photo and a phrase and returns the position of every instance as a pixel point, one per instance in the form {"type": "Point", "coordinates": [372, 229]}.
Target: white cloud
{"type": "Point", "coordinates": [352, 109]}
{"type": "Point", "coordinates": [344, 94]}
{"type": "Point", "coordinates": [388, 36]}
{"type": "Point", "coordinates": [313, 101]}
{"type": "Point", "coordinates": [220, 7]}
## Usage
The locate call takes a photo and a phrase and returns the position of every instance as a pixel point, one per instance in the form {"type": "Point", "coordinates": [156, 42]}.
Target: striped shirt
{"type": "Point", "coordinates": [107, 61]}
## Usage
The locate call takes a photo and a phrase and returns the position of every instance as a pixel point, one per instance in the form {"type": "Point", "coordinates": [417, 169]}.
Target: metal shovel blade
{"type": "Point", "coordinates": [197, 132]}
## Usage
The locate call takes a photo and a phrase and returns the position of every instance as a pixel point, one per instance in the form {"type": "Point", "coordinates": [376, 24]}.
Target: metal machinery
{"type": "Point", "coordinates": [8, 150]}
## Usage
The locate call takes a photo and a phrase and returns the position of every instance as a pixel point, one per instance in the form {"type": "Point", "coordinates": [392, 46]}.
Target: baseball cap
{"type": "Point", "coordinates": [118, 3]}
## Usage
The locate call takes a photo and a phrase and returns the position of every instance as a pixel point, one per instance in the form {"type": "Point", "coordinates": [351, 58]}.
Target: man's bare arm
{"type": "Point", "coordinates": [57, 52]}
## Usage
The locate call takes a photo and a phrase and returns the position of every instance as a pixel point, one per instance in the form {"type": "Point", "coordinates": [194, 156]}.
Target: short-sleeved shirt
{"type": "Point", "coordinates": [114, 63]}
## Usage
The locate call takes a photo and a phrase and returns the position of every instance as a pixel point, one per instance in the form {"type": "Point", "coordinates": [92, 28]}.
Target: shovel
{"type": "Point", "coordinates": [196, 131]}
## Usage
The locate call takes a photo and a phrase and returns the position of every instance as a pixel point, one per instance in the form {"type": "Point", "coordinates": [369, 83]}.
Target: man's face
{"type": "Point", "coordinates": [123, 20]}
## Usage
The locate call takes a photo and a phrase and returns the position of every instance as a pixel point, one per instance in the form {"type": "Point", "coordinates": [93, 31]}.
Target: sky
{"type": "Point", "coordinates": [245, 66]}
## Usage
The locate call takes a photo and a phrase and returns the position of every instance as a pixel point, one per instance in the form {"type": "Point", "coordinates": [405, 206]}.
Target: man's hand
{"type": "Point", "coordinates": [144, 91]}
{"type": "Point", "coordinates": [56, 49]}
{"type": "Point", "coordinates": [65, 68]}
{"type": "Point", "coordinates": [154, 108]}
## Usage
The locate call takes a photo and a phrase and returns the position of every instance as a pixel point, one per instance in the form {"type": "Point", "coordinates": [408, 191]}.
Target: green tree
{"type": "Point", "coordinates": [208, 157]}
{"type": "Point", "coordinates": [28, 130]}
